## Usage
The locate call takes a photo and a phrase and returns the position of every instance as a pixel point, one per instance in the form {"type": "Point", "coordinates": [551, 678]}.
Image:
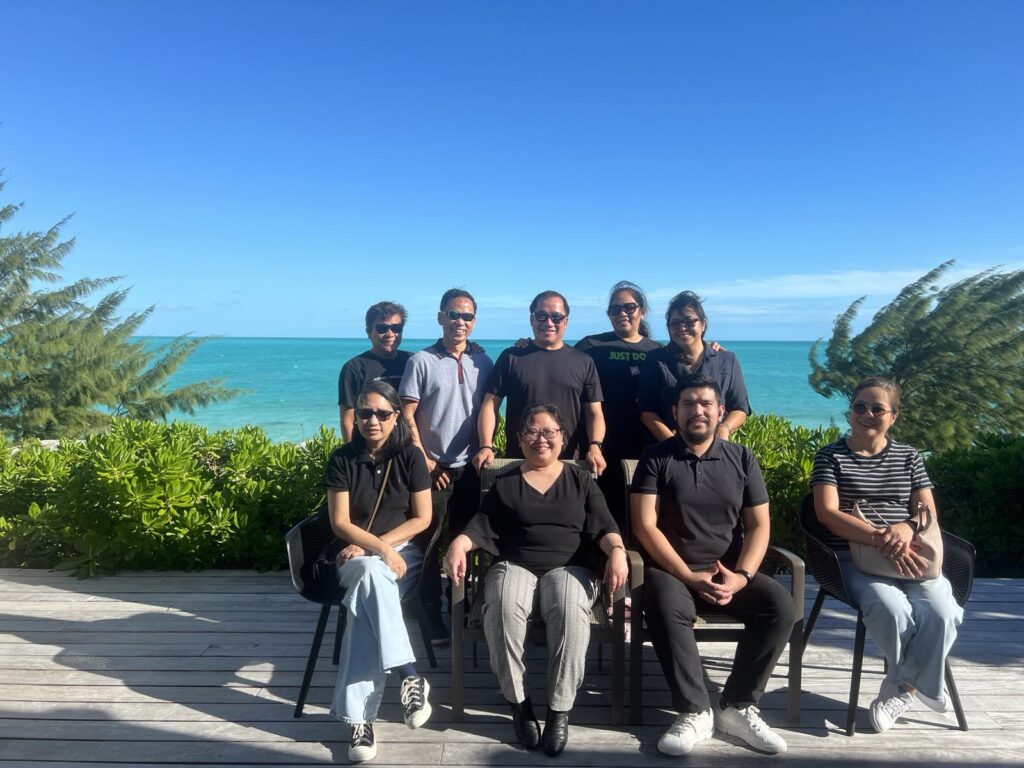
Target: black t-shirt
{"type": "Point", "coordinates": [618, 367]}
{"type": "Point", "coordinates": [701, 498]}
{"type": "Point", "coordinates": [367, 367]}
{"type": "Point", "coordinates": [563, 376]}
{"type": "Point", "coordinates": [663, 368]}
{"type": "Point", "coordinates": [543, 531]}
{"type": "Point", "coordinates": [351, 469]}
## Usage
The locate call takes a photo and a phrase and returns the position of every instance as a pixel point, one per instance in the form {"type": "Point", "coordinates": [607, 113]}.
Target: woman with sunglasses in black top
{"type": "Point", "coordinates": [378, 495]}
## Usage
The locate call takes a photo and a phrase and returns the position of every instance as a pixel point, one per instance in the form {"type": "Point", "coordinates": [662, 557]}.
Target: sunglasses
{"type": "Point", "coordinates": [556, 318]}
{"type": "Point", "coordinates": [452, 315]}
{"type": "Point", "coordinates": [876, 410]}
{"type": "Point", "coordinates": [629, 309]}
{"type": "Point", "coordinates": [365, 414]}
{"type": "Point", "coordinates": [681, 322]}
{"type": "Point", "coordinates": [395, 328]}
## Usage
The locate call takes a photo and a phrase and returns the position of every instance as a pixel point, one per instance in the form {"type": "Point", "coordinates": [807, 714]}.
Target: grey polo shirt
{"type": "Point", "coordinates": [701, 498]}
{"type": "Point", "coordinates": [449, 391]}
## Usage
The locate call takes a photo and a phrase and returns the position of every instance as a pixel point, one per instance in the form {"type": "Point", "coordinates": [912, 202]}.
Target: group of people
{"type": "Point", "coordinates": [419, 428]}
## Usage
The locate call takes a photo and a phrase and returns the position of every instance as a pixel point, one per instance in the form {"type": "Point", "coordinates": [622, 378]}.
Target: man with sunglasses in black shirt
{"type": "Point", "coordinates": [545, 371]}
{"type": "Point", "coordinates": [385, 322]}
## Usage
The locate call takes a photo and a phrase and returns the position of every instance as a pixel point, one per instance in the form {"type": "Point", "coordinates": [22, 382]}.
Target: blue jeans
{"type": "Point", "coordinates": [912, 622]}
{"type": "Point", "coordinates": [375, 638]}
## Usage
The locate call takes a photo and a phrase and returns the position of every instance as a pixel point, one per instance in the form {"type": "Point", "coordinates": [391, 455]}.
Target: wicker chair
{"type": "Point", "coordinates": [305, 542]}
{"type": "Point", "coordinates": [714, 627]}
{"type": "Point", "coordinates": [467, 627]}
{"type": "Point", "coordinates": [957, 566]}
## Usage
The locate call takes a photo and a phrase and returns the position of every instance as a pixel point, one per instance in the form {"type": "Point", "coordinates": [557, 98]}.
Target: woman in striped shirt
{"type": "Point", "coordinates": [913, 622]}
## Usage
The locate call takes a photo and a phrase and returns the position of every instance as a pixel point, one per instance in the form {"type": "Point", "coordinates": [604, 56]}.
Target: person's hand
{"type": "Point", "coordinates": [715, 346]}
{"type": "Point", "coordinates": [439, 476]}
{"type": "Point", "coordinates": [349, 552]}
{"type": "Point", "coordinates": [703, 583]}
{"type": "Point", "coordinates": [910, 563]}
{"type": "Point", "coordinates": [616, 570]}
{"type": "Point", "coordinates": [894, 540]}
{"type": "Point", "coordinates": [731, 580]}
{"type": "Point", "coordinates": [455, 564]}
{"type": "Point", "coordinates": [394, 561]}
{"type": "Point", "coordinates": [724, 431]}
{"type": "Point", "coordinates": [483, 458]}
{"type": "Point", "coordinates": [595, 460]}
{"type": "Point", "coordinates": [522, 342]}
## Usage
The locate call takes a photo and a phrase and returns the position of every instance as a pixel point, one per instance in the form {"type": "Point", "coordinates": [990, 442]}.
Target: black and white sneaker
{"type": "Point", "coordinates": [363, 746]}
{"type": "Point", "coordinates": [415, 690]}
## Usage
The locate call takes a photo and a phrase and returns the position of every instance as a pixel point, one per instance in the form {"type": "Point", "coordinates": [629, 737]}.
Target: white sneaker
{"type": "Point", "coordinates": [940, 704]}
{"type": "Point", "coordinates": [415, 690]}
{"type": "Point", "coordinates": [746, 724]}
{"type": "Point", "coordinates": [363, 746]}
{"type": "Point", "coordinates": [891, 703]}
{"type": "Point", "coordinates": [690, 728]}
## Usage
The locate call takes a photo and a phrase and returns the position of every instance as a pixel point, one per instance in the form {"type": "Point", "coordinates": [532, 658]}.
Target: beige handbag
{"type": "Point", "coordinates": [927, 542]}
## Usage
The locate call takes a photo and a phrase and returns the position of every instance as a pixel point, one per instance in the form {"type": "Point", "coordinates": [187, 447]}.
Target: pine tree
{"type": "Point", "coordinates": [956, 352]}
{"type": "Point", "coordinates": [68, 366]}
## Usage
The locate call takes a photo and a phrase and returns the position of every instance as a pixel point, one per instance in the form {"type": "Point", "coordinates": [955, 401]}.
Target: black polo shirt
{"type": "Point", "coordinates": [367, 367]}
{"type": "Point", "coordinates": [663, 368]}
{"type": "Point", "coordinates": [531, 374]}
{"type": "Point", "coordinates": [701, 498]}
{"type": "Point", "coordinates": [353, 470]}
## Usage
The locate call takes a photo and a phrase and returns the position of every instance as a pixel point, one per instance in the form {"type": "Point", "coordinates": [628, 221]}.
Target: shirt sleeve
{"type": "Point", "coordinates": [497, 380]}
{"type": "Point", "coordinates": [755, 491]}
{"type": "Point", "coordinates": [411, 387]}
{"type": "Point", "coordinates": [479, 529]}
{"type": "Point", "coordinates": [336, 475]}
{"type": "Point", "coordinates": [348, 385]}
{"type": "Point", "coordinates": [649, 397]}
{"type": "Point", "coordinates": [825, 470]}
{"type": "Point", "coordinates": [736, 398]}
{"type": "Point", "coordinates": [599, 520]}
{"type": "Point", "coordinates": [416, 466]}
{"type": "Point", "coordinates": [591, 384]}
{"type": "Point", "coordinates": [918, 474]}
{"type": "Point", "coordinates": [645, 479]}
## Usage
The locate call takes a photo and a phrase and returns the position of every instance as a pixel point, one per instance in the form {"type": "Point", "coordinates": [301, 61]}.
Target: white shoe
{"type": "Point", "coordinates": [415, 690]}
{"type": "Point", "coordinates": [891, 703]}
{"type": "Point", "coordinates": [690, 728]}
{"type": "Point", "coordinates": [940, 704]}
{"type": "Point", "coordinates": [363, 746]}
{"type": "Point", "coordinates": [746, 724]}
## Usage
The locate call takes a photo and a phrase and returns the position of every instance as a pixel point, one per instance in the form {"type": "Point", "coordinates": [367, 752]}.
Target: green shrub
{"type": "Point", "coordinates": [980, 496]}
{"type": "Point", "coordinates": [786, 454]}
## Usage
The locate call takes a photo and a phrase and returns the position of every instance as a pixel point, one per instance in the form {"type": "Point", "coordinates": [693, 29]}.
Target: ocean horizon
{"type": "Point", "coordinates": [291, 384]}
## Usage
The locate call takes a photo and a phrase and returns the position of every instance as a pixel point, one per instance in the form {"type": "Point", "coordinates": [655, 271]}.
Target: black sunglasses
{"type": "Point", "coordinates": [452, 315]}
{"type": "Point", "coordinates": [629, 308]}
{"type": "Point", "coordinates": [679, 322]}
{"type": "Point", "coordinates": [395, 328]}
{"type": "Point", "coordinates": [542, 317]}
{"type": "Point", "coordinates": [365, 414]}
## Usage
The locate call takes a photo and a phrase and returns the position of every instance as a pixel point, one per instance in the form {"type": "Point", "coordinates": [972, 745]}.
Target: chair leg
{"type": "Point", "coordinates": [458, 648]}
{"type": "Point", "coordinates": [858, 662]}
{"type": "Point", "coordinates": [339, 631]}
{"type": "Point", "coordinates": [619, 663]}
{"type": "Point", "coordinates": [961, 719]}
{"type": "Point", "coordinates": [314, 652]}
{"type": "Point", "coordinates": [815, 610]}
{"type": "Point", "coordinates": [636, 659]}
{"type": "Point", "coordinates": [796, 662]}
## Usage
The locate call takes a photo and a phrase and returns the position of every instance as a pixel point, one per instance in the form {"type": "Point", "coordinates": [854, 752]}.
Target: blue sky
{"type": "Point", "coordinates": [272, 168]}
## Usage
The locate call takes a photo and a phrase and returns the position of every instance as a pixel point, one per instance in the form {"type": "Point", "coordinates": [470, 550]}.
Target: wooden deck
{"type": "Point", "coordinates": [150, 669]}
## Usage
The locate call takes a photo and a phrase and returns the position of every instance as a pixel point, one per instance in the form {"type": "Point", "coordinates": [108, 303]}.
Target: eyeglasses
{"type": "Point", "coordinates": [548, 433]}
{"type": "Point", "coordinates": [876, 410]}
{"type": "Point", "coordinates": [542, 317]}
{"type": "Point", "coordinates": [629, 309]}
{"type": "Point", "coordinates": [680, 322]}
{"type": "Point", "coordinates": [452, 315]}
{"type": "Point", "coordinates": [395, 328]}
{"type": "Point", "coordinates": [365, 414]}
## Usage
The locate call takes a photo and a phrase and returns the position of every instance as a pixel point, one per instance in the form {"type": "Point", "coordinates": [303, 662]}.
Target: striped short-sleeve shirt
{"type": "Point", "coordinates": [882, 483]}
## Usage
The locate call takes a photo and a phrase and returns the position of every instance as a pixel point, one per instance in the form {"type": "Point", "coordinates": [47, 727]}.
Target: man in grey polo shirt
{"type": "Point", "coordinates": [441, 392]}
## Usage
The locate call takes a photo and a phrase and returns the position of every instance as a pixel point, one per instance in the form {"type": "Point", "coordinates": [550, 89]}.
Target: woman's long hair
{"type": "Point", "coordinates": [400, 436]}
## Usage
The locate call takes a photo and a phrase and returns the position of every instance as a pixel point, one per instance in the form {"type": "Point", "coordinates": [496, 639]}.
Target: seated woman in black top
{"type": "Point", "coordinates": [545, 522]}
{"type": "Point", "coordinates": [378, 494]}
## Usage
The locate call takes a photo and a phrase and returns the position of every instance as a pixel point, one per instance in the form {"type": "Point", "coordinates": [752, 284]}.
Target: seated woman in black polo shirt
{"type": "Point", "coordinates": [545, 522]}
{"type": "Point", "coordinates": [378, 494]}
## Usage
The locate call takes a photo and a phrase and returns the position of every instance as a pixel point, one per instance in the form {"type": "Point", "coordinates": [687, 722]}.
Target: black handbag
{"type": "Point", "coordinates": [320, 578]}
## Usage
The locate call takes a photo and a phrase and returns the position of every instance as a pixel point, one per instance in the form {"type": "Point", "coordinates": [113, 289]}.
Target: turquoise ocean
{"type": "Point", "coordinates": [292, 384]}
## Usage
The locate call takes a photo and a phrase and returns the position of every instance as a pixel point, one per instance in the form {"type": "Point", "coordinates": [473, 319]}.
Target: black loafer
{"type": "Point", "coordinates": [556, 732]}
{"type": "Point", "coordinates": [526, 725]}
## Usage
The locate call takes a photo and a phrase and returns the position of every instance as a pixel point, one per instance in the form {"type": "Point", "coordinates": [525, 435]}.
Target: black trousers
{"type": "Point", "coordinates": [765, 609]}
{"type": "Point", "coordinates": [452, 506]}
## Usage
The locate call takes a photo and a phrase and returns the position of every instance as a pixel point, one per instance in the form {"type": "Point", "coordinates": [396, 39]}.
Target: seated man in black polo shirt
{"type": "Point", "coordinates": [699, 510]}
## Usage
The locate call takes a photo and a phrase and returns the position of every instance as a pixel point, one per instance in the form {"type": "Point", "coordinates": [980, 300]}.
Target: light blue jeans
{"type": "Point", "coordinates": [375, 638]}
{"type": "Point", "coordinates": [912, 622]}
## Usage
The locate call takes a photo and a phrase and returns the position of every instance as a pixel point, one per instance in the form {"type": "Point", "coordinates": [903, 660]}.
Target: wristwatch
{"type": "Point", "coordinates": [746, 574]}
{"type": "Point", "coordinates": [598, 443]}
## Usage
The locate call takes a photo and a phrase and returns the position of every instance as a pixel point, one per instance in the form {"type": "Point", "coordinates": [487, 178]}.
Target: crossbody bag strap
{"type": "Point", "coordinates": [380, 495]}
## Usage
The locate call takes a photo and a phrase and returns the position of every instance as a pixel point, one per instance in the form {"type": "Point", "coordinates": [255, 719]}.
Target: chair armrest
{"type": "Point", "coordinates": [790, 562]}
{"type": "Point", "coordinates": [636, 568]}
